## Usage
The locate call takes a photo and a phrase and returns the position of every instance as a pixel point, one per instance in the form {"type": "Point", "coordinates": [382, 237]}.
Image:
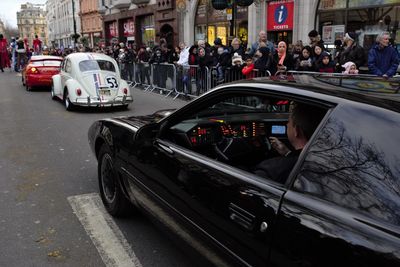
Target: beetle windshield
{"type": "Point", "coordinates": [91, 65]}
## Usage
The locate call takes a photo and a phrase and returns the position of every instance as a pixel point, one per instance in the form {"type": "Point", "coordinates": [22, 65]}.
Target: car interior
{"type": "Point", "coordinates": [235, 130]}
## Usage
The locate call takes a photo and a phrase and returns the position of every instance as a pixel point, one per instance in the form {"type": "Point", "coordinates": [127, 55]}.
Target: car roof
{"type": "Point", "coordinates": [45, 57]}
{"type": "Point", "coordinates": [361, 88]}
{"type": "Point", "coordinates": [80, 56]}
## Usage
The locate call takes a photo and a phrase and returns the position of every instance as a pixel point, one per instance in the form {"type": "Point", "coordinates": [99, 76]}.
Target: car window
{"type": "Point", "coordinates": [68, 67]}
{"type": "Point", "coordinates": [91, 65]}
{"type": "Point", "coordinates": [49, 63]}
{"type": "Point", "coordinates": [236, 130]}
{"type": "Point", "coordinates": [354, 163]}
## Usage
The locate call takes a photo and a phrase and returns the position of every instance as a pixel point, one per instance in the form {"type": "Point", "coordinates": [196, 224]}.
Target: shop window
{"type": "Point", "coordinates": [211, 34]}
{"type": "Point", "coordinates": [221, 33]}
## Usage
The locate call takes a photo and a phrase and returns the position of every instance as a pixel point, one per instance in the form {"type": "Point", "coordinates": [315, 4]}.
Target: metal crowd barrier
{"type": "Point", "coordinates": [225, 75]}
{"type": "Point", "coordinates": [192, 80]}
{"type": "Point", "coordinates": [163, 78]}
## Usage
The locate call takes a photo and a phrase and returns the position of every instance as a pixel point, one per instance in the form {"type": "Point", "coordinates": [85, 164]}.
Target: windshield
{"type": "Point", "coordinates": [91, 65]}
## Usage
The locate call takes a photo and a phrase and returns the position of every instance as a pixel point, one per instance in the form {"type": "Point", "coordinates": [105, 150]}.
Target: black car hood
{"type": "Point", "coordinates": [139, 121]}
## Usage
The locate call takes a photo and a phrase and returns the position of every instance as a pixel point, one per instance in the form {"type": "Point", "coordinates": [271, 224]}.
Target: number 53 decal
{"type": "Point", "coordinates": [112, 82]}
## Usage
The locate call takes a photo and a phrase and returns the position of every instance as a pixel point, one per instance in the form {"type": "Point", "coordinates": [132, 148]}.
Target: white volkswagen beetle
{"type": "Point", "coordinates": [90, 79]}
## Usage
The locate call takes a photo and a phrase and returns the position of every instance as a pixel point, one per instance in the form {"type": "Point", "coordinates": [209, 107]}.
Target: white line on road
{"type": "Point", "coordinates": [105, 234]}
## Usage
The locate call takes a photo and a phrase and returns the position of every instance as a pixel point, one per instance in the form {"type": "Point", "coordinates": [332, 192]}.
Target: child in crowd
{"type": "Point", "coordinates": [350, 68]}
{"type": "Point", "coordinates": [248, 69]}
{"type": "Point", "coordinates": [326, 64]}
{"type": "Point", "coordinates": [236, 69]}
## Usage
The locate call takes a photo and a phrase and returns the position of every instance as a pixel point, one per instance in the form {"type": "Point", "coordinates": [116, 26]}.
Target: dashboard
{"type": "Point", "coordinates": [207, 131]}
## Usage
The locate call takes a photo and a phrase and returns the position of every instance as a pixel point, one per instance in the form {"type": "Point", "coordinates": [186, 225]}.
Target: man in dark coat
{"type": "Point", "coordinates": [383, 60]}
{"type": "Point", "coordinates": [352, 51]}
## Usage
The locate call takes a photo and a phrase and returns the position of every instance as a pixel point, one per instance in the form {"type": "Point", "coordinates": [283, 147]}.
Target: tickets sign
{"type": "Point", "coordinates": [280, 15]}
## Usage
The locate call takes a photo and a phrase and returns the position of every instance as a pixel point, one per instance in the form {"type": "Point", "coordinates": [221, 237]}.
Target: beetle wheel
{"type": "Point", "coordinates": [53, 95]}
{"type": "Point", "coordinates": [67, 103]}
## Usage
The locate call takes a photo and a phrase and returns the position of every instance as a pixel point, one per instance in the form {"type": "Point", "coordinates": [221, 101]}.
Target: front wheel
{"type": "Point", "coordinates": [111, 193]}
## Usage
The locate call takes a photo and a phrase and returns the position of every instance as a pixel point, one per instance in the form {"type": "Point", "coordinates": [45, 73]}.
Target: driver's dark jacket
{"type": "Point", "coordinates": [278, 168]}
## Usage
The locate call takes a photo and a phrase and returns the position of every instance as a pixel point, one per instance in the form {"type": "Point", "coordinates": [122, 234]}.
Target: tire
{"type": "Point", "coordinates": [111, 193]}
{"type": "Point", "coordinates": [53, 95]}
{"type": "Point", "coordinates": [124, 107]}
{"type": "Point", "coordinates": [68, 105]}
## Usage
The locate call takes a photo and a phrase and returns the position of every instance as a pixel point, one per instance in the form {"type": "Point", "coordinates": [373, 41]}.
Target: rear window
{"type": "Point", "coordinates": [91, 65]}
{"type": "Point", "coordinates": [47, 63]}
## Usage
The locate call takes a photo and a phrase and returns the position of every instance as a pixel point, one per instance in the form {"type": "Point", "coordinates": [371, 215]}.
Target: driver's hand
{"type": "Point", "coordinates": [280, 147]}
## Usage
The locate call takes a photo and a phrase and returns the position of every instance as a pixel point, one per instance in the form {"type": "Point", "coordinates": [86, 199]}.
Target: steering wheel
{"type": "Point", "coordinates": [230, 148]}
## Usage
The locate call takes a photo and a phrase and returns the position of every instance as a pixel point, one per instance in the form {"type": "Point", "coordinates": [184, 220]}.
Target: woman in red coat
{"type": "Point", "coordinates": [4, 60]}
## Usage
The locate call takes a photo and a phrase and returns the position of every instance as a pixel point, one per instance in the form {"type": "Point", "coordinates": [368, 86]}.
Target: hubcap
{"type": "Point", "coordinates": [107, 178]}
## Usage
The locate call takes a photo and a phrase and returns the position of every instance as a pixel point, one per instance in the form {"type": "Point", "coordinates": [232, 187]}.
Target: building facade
{"type": "Point", "coordinates": [91, 21]}
{"type": "Point", "coordinates": [140, 21]}
{"type": "Point", "coordinates": [63, 22]}
{"type": "Point", "coordinates": [31, 21]}
{"type": "Point", "coordinates": [146, 21]}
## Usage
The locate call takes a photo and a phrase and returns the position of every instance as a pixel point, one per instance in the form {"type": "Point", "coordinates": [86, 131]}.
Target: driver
{"type": "Point", "coordinates": [303, 120]}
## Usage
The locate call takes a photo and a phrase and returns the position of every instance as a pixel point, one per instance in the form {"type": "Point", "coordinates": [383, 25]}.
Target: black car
{"type": "Point", "coordinates": [195, 171]}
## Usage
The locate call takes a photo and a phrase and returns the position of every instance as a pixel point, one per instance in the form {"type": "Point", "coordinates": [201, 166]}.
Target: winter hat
{"type": "Point", "coordinates": [325, 54]}
{"type": "Point", "coordinates": [218, 41]}
{"type": "Point", "coordinates": [347, 66]}
{"type": "Point", "coordinates": [313, 33]}
{"type": "Point", "coordinates": [350, 36]}
{"type": "Point", "coordinates": [237, 58]}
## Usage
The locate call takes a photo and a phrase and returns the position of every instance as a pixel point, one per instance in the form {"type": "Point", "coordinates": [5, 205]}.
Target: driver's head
{"type": "Point", "coordinates": [303, 121]}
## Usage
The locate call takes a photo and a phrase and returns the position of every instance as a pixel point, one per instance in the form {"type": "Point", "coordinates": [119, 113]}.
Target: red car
{"type": "Point", "coordinates": [39, 70]}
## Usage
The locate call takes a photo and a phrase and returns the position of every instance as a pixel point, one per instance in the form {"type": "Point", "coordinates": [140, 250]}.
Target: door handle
{"type": "Point", "coordinates": [241, 217]}
{"type": "Point", "coordinates": [166, 148]}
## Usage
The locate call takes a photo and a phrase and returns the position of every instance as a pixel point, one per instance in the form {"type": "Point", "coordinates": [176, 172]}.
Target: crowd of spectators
{"type": "Point", "coordinates": [261, 58]}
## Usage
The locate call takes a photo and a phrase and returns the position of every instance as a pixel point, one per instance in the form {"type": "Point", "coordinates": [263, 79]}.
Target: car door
{"type": "Point", "coordinates": [344, 208]}
{"type": "Point", "coordinates": [66, 73]}
{"type": "Point", "coordinates": [229, 209]}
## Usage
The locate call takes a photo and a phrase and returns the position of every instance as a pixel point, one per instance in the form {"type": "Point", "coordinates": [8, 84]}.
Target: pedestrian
{"type": "Point", "coordinates": [263, 61]}
{"type": "Point", "coordinates": [247, 70]}
{"type": "Point", "coordinates": [13, 48]}
{"type": "Point", "coordinates": [236, 47]}
{"type": "Point", "coordinates": [37, 45]}
{"type": "Point", "coordinates": [282, 60]}
{"type": "Point", "coordinates": [224, 61]}
{"type": "Point", "coordinates": [350, 68]}
{"type": "Point", "coordinates": [262, 38]}
{"type": "Point", "coordinates": [143, 66]}
{"type": "Point", "coordinates": [315, 38]}
{"type": "Point", "coordinates": [352, 51]}
{"type": "Point", "coordinates": [383, 59]}
{"type": "Point", "coordinates": [304, 62]}
{"type": "Point", "coordinates": [4, 60]}
{"type": "Point", "coordinates": [326, 64]}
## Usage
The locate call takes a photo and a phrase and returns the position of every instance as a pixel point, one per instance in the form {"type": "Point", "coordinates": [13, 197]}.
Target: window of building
{"type": "Point", "coordinates": [365, 18]}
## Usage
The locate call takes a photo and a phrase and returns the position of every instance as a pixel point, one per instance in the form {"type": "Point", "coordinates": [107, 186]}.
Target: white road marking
{"type": "Point", "coordinates": [105, 234]}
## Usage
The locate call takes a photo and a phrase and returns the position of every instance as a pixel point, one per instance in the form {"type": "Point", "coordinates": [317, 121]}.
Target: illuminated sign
{"type": "Point", "coordinates": [280, 15]}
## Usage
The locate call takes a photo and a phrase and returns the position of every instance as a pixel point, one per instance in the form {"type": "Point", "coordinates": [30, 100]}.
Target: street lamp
{"type": "Point", "coordinates": [74, 23]}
